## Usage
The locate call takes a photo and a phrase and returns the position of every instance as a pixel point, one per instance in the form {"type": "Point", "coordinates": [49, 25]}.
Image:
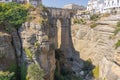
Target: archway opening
{"type": "Point", "coordinates": [58, 33]}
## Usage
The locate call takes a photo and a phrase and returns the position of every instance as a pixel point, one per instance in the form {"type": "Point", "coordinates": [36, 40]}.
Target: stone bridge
{"type": "Point", "coordinates": [60, 20]}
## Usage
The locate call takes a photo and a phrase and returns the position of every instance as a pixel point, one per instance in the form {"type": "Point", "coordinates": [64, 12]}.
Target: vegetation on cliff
{"type": "Point", "coordinates": [117, 29]}
{"type": "Point", "coordinates": [6, 75]}
{"type": "Point", "coordinates": [79, 21]}
{"type": "Point", "coordinates": [117, 44]}
{"type": "Point", "coordinates": [95, 72]}
{"type": "Point", "coordinates": [35, 72]}
{"type": "Point", "coordinates": [94, 17]}
{"type": "Point", "coordinates": [93, 25]}
{"type": "Point", "coordinates": [12, 14]}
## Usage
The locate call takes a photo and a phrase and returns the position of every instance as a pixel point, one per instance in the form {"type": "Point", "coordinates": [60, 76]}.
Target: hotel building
{"type": "Point", "coordinates": [103, 6]}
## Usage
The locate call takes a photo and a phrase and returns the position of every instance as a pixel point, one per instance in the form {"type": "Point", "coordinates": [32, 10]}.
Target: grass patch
{"type": "Point", "coordinates": [117, 44]}
{"type": "Point", "coordinates": [118, 24]}
{"type": "Point", "coordinates": [93, 25]}
{"type": "Point", "coordinates": [79, 21]}
{"type": "Point", "coordinates": [95, 72]}
{"type": "Point", "coordinates": [117, 29]}
{"type": "Point", "coordinates": [6, 75]}
{"type": "Point", "coordinates": [29, 54]}
{"type": "Point", "coordinates": [94, 17]}
{"type": "Point", "coordinates": [36, 44]}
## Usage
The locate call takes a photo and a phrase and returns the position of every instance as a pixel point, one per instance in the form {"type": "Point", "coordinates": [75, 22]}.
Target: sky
{"type": "Point", "coordinates": [61, 3]}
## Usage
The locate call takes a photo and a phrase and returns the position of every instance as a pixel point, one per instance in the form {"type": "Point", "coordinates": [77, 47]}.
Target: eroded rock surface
{"type": "Point", "coordinates": [98, 44]}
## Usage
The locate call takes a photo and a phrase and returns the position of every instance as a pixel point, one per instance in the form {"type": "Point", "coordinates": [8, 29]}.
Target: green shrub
{"type": "Point", "coordinates": [94, 17]}
{"type": "Point", "coordinates": [29, 54]}
{"type": "Point", "coordinates": [117, 29]}
{"type": "Point", "coordinates": [104, 79]}
{"type": "Point", "coordinates": [95, 72]}
{"type": "Point", "coordinates": [12, 14]}
{"type": "Point", "coordinates": [12, 68]}
{"type": "Point", "coordinates": [79, 21]}
{"type": "Point", "coordinates": [35, 72]}
{"type": "Point", "coordinates": [93, 25]}
{"type": "Point", "coordinates": [117, 44]}
{"type": "Point", "coordinates": [6, 75]}
{"type": "Point", "coordinates": [2, 54]}
{"type": "Point", "coordinates": [23, 69]}
{"type": "Point", "coordinates": [118, 24]}
{"type": "Point", "coordinates": [36, 44]}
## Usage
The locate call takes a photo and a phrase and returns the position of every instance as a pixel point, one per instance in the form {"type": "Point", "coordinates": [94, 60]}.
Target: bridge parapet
{"type": "Point", "coordinates": [61, 13]}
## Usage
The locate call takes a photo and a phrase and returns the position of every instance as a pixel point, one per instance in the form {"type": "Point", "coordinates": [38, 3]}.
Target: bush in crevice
{"type": "Point", "coordinates": [79, 21]}
{"type": "Point", "coordinates": [93, 25]}
{"type": "Point", "coordinates": [95, 72]}
{"type": "Point", "coordinates": [29, 54]}
{"type": "Point", "coordinates": [117, 29]}
{"type": "Point", "coordinates": [117, 44]}
{"type": "Point", "coordinates": [94, 17]}
{"type": "Point", "coordinates": [34, 72]}
{"type": "Point", "coordinates": [6, 75]}
{"type": "Point", "coordinates": [23, 69]}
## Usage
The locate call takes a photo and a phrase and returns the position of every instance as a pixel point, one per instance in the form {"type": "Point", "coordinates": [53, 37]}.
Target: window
{"type": "Point", "coordinates": [117, 2]}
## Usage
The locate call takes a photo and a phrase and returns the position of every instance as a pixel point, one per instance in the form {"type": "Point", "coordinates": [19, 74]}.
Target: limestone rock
{"type": "Point", "coordinates": [35, 38]}
{"type": "Point", "coordinates": [98, 44]}
{"type": "Point", "coordinates": [7, 51]}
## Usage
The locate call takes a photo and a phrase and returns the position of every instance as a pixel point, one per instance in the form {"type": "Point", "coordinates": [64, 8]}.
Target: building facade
{"type": "Point", "coordinates": [103, 6]}
{"type": "Point", "coordinates": [74, 6]}
{"type": "Point", "coordinates": [33, 2]}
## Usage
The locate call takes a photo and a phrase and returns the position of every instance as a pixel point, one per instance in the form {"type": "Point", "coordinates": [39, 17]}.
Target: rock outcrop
{"type": "Point", "coordinates": [7, 50]}
{"type": "Point", "coordinates": [98, 44]}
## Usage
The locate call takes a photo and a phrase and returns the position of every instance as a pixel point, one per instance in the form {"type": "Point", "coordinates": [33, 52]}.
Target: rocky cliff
{"type": "Point", "coordinates": [31, 43]}
{"type": "Point", "coordinates": [98, 44]}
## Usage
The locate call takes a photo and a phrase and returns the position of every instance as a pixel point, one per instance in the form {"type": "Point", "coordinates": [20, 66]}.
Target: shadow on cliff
{"type": "Point", "coordinates": [68, 61]}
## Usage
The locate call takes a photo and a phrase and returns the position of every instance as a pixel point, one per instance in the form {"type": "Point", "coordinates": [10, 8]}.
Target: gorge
{"type": "Point", "coordinates": [47, 46]}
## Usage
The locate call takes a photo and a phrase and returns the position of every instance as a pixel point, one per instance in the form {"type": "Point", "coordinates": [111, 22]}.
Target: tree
{"type": "Point", "coordinates": [12, 14]}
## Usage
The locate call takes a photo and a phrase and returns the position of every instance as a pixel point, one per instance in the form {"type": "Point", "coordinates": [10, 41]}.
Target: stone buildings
{"type": "Point", "coordinates": [33, 2]}
{"type": "Point", "coordinates": [74, 6]}
{"type": "Point", "coordinates": [103, 6]}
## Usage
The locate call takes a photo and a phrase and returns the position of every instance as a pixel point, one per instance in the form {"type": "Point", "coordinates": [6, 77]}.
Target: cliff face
{"type": "Point", "coordinates": [37, 41]}
{"type": "Point", "coordinates": [31, 43]}
{"type": "Point", "coordinates": [7, 50]}
{"type": "Point", "coordinates": [98, 44]}
{"type": "Point", "coordinates": [35, 38]}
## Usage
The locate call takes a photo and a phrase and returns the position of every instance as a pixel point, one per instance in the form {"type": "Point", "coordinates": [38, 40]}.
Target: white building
{"type": "Point", "coordinates": [74, 6]}
{"type": "Point", "coordinates": [103, 6]}
{"type": "Point", "coordinates": [92, 6]}
{"type": "Point", "coordinates": [112, 5]}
